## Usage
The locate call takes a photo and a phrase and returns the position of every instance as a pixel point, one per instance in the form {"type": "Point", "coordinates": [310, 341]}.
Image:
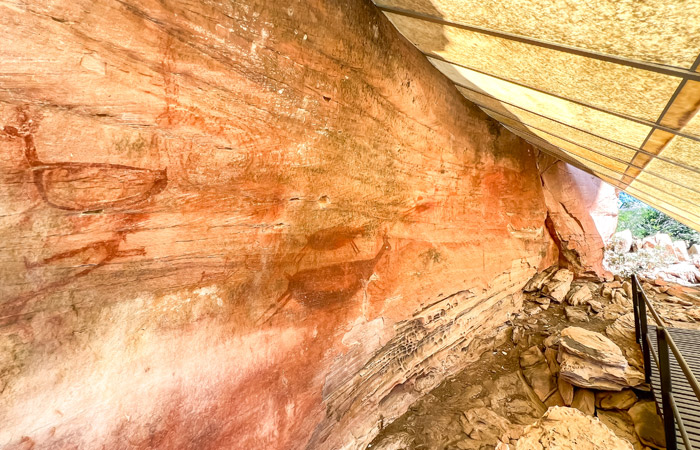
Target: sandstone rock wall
{"type": "Point", "coordinates": [582, 214]}
{"type": "Point", "coordinates": [252, 224]}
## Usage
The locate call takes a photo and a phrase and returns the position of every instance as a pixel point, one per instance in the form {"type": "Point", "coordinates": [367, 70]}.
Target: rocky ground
{"type": "Point", "coordinates": [656, 256]}
{"type": "Point", "coordinates": [565, 373]}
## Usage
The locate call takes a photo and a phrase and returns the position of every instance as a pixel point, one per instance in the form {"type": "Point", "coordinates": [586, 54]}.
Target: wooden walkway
{"type": "Point", "coordinates": [688, 342]}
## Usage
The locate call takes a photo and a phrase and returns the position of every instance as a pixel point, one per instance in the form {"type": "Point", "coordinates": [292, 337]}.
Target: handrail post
{"type": "Point", "coordinates": [635, 306]}
{"type": "Point", "coordinates": [666, 389]}
{"type": "Point", "coordinates": [645, 334]}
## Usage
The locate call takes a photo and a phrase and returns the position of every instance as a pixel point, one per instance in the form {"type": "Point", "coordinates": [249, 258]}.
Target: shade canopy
{"type": "Point", "coordinates": [612, 86]}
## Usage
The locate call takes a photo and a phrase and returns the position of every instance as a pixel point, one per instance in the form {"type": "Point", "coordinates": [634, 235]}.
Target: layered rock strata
{"type": "Point", "coordinates": [247, 224]}
{"type": "Point", "coordinates": [591, 360]}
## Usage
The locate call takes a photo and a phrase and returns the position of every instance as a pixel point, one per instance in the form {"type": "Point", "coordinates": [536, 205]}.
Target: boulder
{"type": "Point", "coordinates": [596, 306]}
{"type": "Point", "coordinates": [583, 212]}
{"type": "Point", "coordinates": [554, 400]}
{"type": "Point", "coordinates": [637, 245]}
{"type": "Point", "coordinates": [536, 372]}
{"type": "Point", "coordinates": [624, 399]}
{"type": "Point", "coordinates": [684, 271]}
{"type": "Point", "coordinates": [621, 424]}
{"type": "Point", "coordinates": [543, 302]}
{"type": "Point", "coordinates": [552, 341]}
{"type": "Point", "coordinates": [550, 355]}
{"type": "Point", "coordinates": [622, 332]}
{"type": "Point", "coordinates": [619, 298]}
{"type": "Point", "coordinates": [558, 286]}
{"type": "Point", "coordinates": [584, 401]}
{"type": "Point", "coordinates": [681, 295]}
{"type": "Point", "coordinates": [536, 282]}
{"type": "Point", "coordinates": [575, 314]}
{"type": "Point", "coordinates": [622, 241]}
{"type": "Point", "coordinates": [590, 345]}
{"type": "Point", "coordinates": [680, 249]}
{"type": "Point", "coordinates": [627, 287]}
{"type": "Point", "coordinates": [647, 424]}
{"type": "Point", "coordinates": [606, 291]}
{"type": "Point", "coordinates": [590, 360]}
{"type": "Point", "coordinates": [566, 390]}
{"type": "Point", "coordinates": [649, 242]}
{"type": "Point", "coordinates": [659, 282]}
{"type": "Point", "coordinates": [613, 311]}
{"type": "Point", "coordinates": [664, 241]}
{"type": "Point", "coordinates": [579, 295]}
{"type": "Point", "coordinates": [569, 429]}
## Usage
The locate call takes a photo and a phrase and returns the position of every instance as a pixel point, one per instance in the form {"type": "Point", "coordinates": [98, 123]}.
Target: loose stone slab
{"type": "Point", "coordinates": [591, 360]}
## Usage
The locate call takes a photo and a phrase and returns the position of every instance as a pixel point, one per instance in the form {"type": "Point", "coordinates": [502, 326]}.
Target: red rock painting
{"type": "Point", "coordinates": [86, 186]}
{"type": "Point", "coordinates": [332, 238]}
{"type": "Point", "coordinates": [86, 259]}
{"type": "Point", "coordinates": [329, 285]}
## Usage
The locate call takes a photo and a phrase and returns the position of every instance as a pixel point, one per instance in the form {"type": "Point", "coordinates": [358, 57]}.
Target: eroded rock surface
{"type": "Point", "coordinates": [583, 213]}
{"type": "Point", "coordinates": [622, 425]}
{"type": "Point", "coordinates": [569, 429]}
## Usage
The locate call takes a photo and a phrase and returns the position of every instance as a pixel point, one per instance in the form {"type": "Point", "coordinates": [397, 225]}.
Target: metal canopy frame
{"type": "Point", "coordinates": [561, 155]}
{"type": "Point", "coordinates": [572, 157]}
{"type": "Point", "coordinates": [578, 102]}
{"type": "Point", "coordinates": [610, 157]}
{"type": "Point", "coordinates": [678, 90]}
{"type": "Point", "coordinates": [673, 71]}
{"type": "Point", "coordinates": [612, 141]}
{"type": "Point", "coordinates": [684, 152]}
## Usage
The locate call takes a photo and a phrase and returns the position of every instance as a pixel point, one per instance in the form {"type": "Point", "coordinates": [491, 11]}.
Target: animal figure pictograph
{"type": "Point", "coordinates": [105, 251]}
{"type": "Point", "coordinates": [86, 186]}
{"type": "Point", "coordinates": [320, 287]}
{"type": "Point", "coordinates": [331, 238]}
{"type": "Point", "coordinates": [87, 259]}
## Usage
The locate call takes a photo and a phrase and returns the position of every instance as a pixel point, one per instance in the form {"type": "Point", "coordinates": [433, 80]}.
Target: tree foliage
{"type": "Point", "coordinates": [644, 221]}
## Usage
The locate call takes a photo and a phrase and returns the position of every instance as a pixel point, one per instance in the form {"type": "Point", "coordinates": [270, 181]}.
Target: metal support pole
{"type": "Point", "coordinates": [635, 306]}
{"type": "Point", "coordinates": [645, 337]}
{"type": "Point", "coordinates": [666, 389]}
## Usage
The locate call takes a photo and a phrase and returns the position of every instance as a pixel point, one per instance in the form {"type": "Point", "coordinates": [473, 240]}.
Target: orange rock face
{"type": "Point", "coordinates": [582, 215]}
{"type": "Point", "coordinates": [246, 225]}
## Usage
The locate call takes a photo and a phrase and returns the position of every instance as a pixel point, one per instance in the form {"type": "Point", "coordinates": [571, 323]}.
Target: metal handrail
{"type": "Point", "coordinates": [681, 426]}
{"type": "Point", "coordinates": [664, 341]}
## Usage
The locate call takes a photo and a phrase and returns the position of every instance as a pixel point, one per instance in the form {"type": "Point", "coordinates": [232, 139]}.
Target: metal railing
{"type": "Point", "coordinates": [664, 341]}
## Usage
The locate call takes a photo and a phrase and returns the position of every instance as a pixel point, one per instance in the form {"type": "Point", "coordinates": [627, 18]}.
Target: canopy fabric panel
{"type": "Point", "coordinates": [612, 87]}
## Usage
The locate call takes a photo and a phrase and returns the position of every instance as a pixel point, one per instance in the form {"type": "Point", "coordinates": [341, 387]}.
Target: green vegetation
{"type": "Point", "coordinates": [644, 221]}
